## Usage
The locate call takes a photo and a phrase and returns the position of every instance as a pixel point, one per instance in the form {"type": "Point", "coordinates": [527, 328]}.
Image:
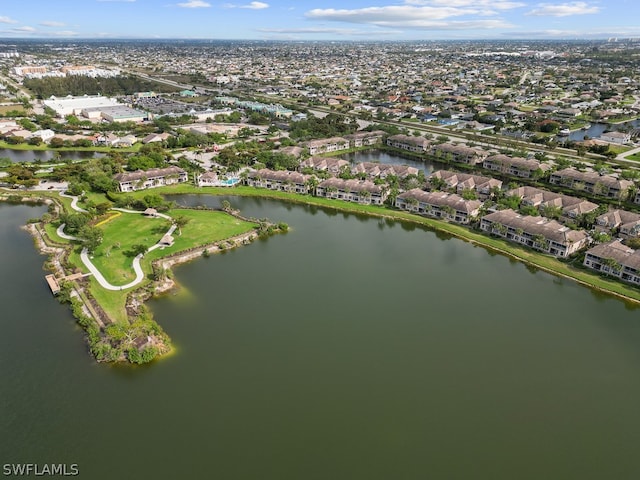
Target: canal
{"type": "Point", "coordinates": [348, 348]}
{"type": "Point", "coordinates": [18, 156]}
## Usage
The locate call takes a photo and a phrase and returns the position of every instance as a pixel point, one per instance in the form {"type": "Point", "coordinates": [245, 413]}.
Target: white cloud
{"type": "Point", "coordinates": [388, 14]}
{"type": "Point", "coordinates": [494, 4]}
{"type": "Point", "coordinates": [51, 23]}
{"type": "Point", "coordinates": [250, 6]}
{"type": "Point", "coordinates": [563, 10]}
{"type": "Point", "coordinates": [256, 6]}
{"type": "Point", "coordinates": [25, 29]}
{"type": "Point", "coordinates": [194, 4]}
{"type": "Point", "coordinates": [408, 16]}
{"type": "Point", "coordinates": [7, 20]}
{"type": "Point", "coordinates": [334, 31]}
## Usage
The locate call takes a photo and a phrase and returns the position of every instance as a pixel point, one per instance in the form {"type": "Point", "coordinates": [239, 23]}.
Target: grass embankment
{"type": "Point", "coordinates": [539, 260]}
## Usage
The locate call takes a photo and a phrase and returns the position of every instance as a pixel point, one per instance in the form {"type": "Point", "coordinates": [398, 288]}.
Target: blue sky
{"type": "Point", "coordinates": [320, 19]}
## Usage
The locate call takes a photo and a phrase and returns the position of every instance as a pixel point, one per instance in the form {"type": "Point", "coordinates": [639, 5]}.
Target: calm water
{"type": "Point", "coordinates": [597, 129]}
{"type": "Point", "coordinates": [349, 348]}
{"type": "Point", "coordinates": [383, 157]}
{"type": "Point", "coordinates": [18, 156]}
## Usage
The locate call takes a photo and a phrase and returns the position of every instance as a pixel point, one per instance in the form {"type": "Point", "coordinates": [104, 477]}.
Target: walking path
{"type": "Point", "coordinates": [84, 255]}
{"type": "Point", "coordinates": [74, 202]}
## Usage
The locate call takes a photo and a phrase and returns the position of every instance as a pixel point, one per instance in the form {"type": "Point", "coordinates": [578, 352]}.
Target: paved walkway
{"type": "Point", "coordinates": [84, 255]}
{"type": "Point", "coordinates": [74, 202]}
{"type": "Point", "coordinates": [61, 234]}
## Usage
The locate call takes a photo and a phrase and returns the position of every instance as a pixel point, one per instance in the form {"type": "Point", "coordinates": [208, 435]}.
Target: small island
{"type": "Point", "coordinates": [106, 261]}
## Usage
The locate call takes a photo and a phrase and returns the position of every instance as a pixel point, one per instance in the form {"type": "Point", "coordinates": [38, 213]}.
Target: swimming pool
{"type": "Point", "coordinates": [229, 182]}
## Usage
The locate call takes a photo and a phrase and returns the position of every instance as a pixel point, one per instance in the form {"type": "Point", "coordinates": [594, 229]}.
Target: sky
{"type": "Point", "coordinates": [320, 19]}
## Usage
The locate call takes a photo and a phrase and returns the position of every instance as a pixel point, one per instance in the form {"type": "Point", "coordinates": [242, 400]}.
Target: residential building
{"type": "Point", "coordinates": [364, 139]}
{"type": "Point", "coordinates": [358, 191]}
{"type": "Point", "coordinates": [536, 232]}
{"type": "Point", "coordinates": [592, 182]}
{"type": "Point", "coordinates": [406, 142]}
{"type": "Point", "coordinates": [627, 224]}
{"type": "Point", "coordinates": [619, 138]}
{"type": "Point", "coordinates": [44, 135]}
{"type": "Point", "coordinates": [325, 164]}
{"type": "Point", "coordinates": [571, 207]}
{"type": "Point", "coordinates": [156, 177]}
{"type": "Point", "coordinates": [155, 138]}
{"type": "Point", "coordinates": [327, 145]}
{"type": "Point", "coordinates": [458, 153]}
{"type": "Point", "coordinates": [515, 166]}
{"type": "Point", "coordinates": [615, 259]}
{"type": "Point", "coordinates": [283, 180]}
{"type": "Point", "coordinates": [207, 179]}
{"type": "Point", "coordinates": [381, 170]}
{"type": "Point", "coordinates": [291, 150]}
{"type": "Point", "coordinates": [483, 186]}
{"type": "Point", "coordinates": [447, 206]}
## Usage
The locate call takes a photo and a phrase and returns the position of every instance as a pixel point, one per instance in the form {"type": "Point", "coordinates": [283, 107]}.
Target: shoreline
{"type": "Point", "coordinates": [163, 268]}
{"type": "Point", "coordinates": [458, 231]}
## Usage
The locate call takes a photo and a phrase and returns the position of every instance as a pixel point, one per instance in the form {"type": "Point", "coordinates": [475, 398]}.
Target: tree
{"type": "Point", "coordinates": [469, 194]}
{"type": "Point", "coordinates": [311, 183]}
{"type": "Point", "coordinates": [56, 142]}
{"type": "Point", "coordinates": [181, 221]}
{"type": "Point", "coordinates": [138, 249]}
{"type": "Point", "coordinates": [92, 237]}
{"type": "Point", "coordinates": [612, 266]}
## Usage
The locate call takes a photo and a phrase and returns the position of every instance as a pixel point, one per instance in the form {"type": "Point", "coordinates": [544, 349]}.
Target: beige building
{"type": "Point", "coordinates": [536, 232]}
{"type": "Point", "coordinates": [615, 259]}
{"type": "Point", "coordinates": [447, 206]}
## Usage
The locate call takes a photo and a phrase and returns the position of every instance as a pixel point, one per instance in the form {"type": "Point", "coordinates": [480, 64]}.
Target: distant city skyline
{"type": "Point", "coordinates": [321, 20]}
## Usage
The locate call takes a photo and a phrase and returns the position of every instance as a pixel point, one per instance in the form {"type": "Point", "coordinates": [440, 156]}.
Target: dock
{"type": "Point", "coordinates": [54, 283]}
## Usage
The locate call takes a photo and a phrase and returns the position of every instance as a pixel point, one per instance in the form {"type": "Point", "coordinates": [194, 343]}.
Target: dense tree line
{"type": "Point", "coordinates": [81, 85]}
{"type": "Point", "coordinates": [330, 126]}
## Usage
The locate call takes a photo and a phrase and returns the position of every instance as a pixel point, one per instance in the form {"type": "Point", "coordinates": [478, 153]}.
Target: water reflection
{"type": "Point", "coordinates": [18, 156]}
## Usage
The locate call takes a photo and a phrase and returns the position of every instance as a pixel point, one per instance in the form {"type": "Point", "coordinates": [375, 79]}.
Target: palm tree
{"type": "Point", "coordinates": [311, 183]}
{"type": "Point", "coordinates": [613, 266]}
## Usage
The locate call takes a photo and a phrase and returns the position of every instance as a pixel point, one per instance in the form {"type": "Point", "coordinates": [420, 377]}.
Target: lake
{"type": "Point", "coordinates": [18, 156]}
{"type": "Point", "coordinates": [597, 129]}
{"type": "Point", "coordinates": [380, 156]}
{"type": "Point", "coordinates": [348, 348]}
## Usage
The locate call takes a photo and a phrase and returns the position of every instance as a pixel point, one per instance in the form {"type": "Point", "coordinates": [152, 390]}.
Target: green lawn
{"type": "Point", "coordinates": [204, 227]}
{"type": "Point", "coordinates": [618, 149]}
{"type": "Point", "coordinates": [113, 257]}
